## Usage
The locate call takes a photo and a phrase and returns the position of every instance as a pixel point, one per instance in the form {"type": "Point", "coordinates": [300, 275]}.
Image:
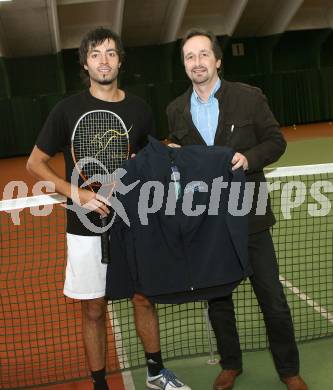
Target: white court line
{"type": "Point", "coordinates": [121, 352]}
{"type": "Point", "coordinates": [321, 310]}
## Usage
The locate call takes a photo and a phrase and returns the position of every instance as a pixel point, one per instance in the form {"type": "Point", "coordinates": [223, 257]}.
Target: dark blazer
{"type": "Point", "coordinates": [246, 124]}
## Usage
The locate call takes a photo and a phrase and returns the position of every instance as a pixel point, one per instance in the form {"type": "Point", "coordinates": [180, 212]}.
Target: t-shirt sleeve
{"type": "Point", "coordinates": [52, 137]}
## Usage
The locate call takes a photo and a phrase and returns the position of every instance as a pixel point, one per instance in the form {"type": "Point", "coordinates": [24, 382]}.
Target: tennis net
{"type": "Point", "coordinates": [40, 329]}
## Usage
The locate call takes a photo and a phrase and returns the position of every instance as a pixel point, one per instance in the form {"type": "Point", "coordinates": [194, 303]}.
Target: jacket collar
{"type": "Point", "coordinates": [161, 149]}
{"type": "Point", "coordinates": [185, 99]}
{"type": "Point", "coordinates": [156, 145]}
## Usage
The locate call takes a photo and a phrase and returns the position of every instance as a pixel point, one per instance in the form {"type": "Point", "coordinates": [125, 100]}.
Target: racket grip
{"type": "Point", "coordinates": [105, 244]}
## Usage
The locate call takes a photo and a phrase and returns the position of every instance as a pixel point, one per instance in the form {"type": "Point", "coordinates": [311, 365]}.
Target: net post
{"type": "Point", "coordinates": [212, 359]}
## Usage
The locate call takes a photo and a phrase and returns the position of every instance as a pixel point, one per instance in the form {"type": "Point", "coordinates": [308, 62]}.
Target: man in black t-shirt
{"type": "Point", "coordinates": [101, 55]}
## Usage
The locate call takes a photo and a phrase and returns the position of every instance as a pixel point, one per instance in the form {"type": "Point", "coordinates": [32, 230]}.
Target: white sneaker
{"type": "Point", "coordinates": [165, 380]}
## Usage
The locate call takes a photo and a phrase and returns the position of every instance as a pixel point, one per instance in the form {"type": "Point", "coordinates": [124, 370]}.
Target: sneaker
{"type": "Point", "coordinates": [165, 380]}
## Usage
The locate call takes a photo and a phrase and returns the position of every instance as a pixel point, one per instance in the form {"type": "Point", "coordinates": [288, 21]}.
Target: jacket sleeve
{"type": "Point", "coordinates": [170, 111]}
{"type": "Point", "coordinates": [270, 141]}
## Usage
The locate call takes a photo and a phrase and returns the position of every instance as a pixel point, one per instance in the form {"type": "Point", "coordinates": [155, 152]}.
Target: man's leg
{"type": "Point", "coordinates": [94, 338]}
{"type": "Point", "coordinates": [85, 280]}
{"type": "Point", "coordinates": [147, 328]}
{"type": "Point", "coordinates": [146, 322]}
{"type": "Point", "coordinates": [275, 309]}
{"type": "Point", "coordinates": [271, 298]}
{"type": "Point", "coordinates": [222, 317]}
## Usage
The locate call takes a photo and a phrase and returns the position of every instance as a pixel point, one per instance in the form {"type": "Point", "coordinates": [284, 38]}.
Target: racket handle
{"type": "Point", "coordinates": [105, 243]}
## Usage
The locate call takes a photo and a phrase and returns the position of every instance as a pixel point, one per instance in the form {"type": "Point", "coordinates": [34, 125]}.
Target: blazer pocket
{"type": "Point", "coordinates": [241, 134]}
{"type": "Point", "coordinates": [179, 134]}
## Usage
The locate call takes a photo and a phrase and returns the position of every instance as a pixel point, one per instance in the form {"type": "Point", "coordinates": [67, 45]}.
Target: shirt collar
{"type": "Point", "coordinates": [215, 88]}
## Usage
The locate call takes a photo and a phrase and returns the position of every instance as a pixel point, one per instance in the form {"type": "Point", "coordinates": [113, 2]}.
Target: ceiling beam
{"type": "Point", "coordinates": [68, 2]}
{"type": "Point", "coordinates": [236, 10]}
{"type": "Point", "coordinates": [52, 15]}
{"type": "Point", "coordinates": [173, 20]}
{"type": "Point", "coordinates": [118, 15]}
{"type": "Point", "coordinates": [283, 15]}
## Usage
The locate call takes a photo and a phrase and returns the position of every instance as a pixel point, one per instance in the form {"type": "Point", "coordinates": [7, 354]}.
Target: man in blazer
{"type": "Point", "coordinates": [218, 112]}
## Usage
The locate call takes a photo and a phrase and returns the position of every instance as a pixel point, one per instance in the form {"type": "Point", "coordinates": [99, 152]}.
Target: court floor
{"type": "Point", "coordinates": [316, 356]}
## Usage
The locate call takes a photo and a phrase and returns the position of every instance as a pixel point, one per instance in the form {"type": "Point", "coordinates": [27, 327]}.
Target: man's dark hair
{"type": "Point", "coordinates": [195, 32]}
{"type": "Point", "coordinates": [94, 38]}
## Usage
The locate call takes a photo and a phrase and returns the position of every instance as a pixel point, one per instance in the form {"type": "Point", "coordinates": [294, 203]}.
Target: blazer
{"type": "Point", "coordinates": [246, 124]}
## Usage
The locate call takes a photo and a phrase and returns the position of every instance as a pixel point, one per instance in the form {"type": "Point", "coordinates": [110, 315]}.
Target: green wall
{"type": "Point", "coordinates": [71, 70]}
{"type": "Point", "coordinates": [35, 75]}
{"type": "Point", "coordinates": [326, 52]}
{"type": "Point", "coordinates": [299, 50]}
{"type": "Point", "coordinates": [4, 82]}
{"type": "Point", "coordinates": [294, 69]}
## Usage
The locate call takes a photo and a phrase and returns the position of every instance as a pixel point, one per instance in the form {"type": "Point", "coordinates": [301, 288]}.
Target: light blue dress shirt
{"type": "Point", "coordinates": [205, 115]}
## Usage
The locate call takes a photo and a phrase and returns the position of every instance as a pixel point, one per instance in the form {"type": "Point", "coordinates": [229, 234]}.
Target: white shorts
{"type": "Point", "coordinates": [85, 274]}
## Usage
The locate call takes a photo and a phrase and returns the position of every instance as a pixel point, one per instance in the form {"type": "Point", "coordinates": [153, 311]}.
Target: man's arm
{"type": "Point", "coordinates": [169, 140]}
{"type": "Point", "coordinates": [38, 166]}
{"type": "Point", "coordinates": [270, 141]}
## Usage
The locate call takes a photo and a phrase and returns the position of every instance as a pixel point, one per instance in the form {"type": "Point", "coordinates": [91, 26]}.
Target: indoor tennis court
{"type": "Point", "coordinates": [285, 48]}
{"type": "Point", "coordinates": [41, 327]}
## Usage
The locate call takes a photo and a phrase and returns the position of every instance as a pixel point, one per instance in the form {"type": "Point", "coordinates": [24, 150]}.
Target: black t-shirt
{"type": "Point", "coordinates": [57, 131]}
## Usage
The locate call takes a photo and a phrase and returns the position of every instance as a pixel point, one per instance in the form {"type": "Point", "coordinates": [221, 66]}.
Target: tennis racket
{"type": "Point", "coordinates": [101, 138]}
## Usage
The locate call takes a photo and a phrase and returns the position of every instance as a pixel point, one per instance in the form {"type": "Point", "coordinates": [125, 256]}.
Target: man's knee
{"type": "Point", "coordinates": [94, 309]}
{"type": "Point", "coordinates": [140, 300]}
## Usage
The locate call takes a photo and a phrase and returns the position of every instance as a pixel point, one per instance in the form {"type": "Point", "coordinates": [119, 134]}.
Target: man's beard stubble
{"type": "Point", "coordinates": [104, 80]}
{"type": "Point", "coordinates": [199, 81]}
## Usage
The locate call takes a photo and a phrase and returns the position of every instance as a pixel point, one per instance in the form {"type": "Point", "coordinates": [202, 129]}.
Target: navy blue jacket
{"type": "Point", "coordinates": [178, 253]}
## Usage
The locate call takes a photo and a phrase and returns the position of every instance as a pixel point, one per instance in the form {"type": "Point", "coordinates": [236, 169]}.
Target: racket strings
{"type": "Point", "coordinates": [103, 137]}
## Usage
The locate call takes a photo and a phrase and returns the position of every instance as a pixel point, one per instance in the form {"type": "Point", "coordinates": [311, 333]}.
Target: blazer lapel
{"type": "Point", "coordinates": [194, 132]}
{"type": "Point", "coordinates": [220, 135]}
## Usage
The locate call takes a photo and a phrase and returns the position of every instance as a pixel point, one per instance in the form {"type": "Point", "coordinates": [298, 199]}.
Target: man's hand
{"type": "Point", "coordinates": [239, 160]}
{"type": "Point", "coordinates": [91, 201]}
{"type": "Point", "coordinates": [172, 145]}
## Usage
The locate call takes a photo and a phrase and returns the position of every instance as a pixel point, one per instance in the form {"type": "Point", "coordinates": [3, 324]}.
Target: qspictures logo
{"type": "Point", "coordinates": [154, 196]}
